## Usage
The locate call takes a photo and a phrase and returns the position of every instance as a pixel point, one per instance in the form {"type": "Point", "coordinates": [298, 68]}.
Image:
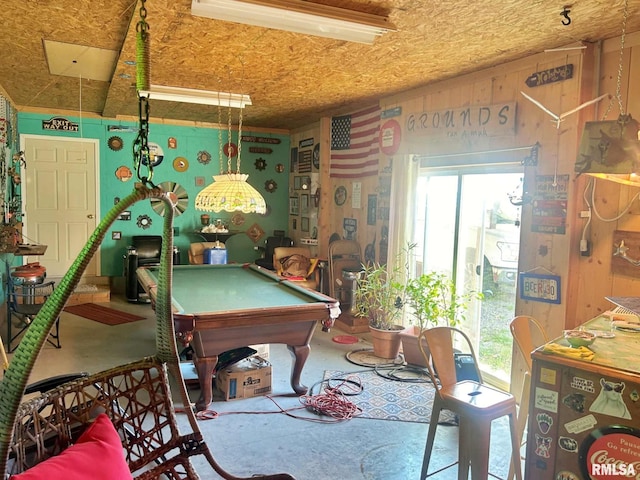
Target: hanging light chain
{"type": "Point", "coordinates": [219, 130]}
{"type": "Point", "coordinates": [229, 148]}
{"type": "Point", "coordinates": [239, 140]}
{"type": "Point", "coordinates": [141, 156]}
{"type": "Point", "coordinates": [142, 25]}
{"type": "Point", "coordinates": [625, 16]}
{"type": "Point", "coordinates": [618, 96]}
{"type": "Point", "coordinates": [240, 116]}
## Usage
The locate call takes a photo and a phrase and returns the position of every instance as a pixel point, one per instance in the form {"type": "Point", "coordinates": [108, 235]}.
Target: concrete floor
{"type": "Point", "coordinates": [246, 443]}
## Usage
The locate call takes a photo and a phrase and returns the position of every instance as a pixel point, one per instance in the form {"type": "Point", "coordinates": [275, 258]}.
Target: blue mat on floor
{"type": "Point", "coordinates": [383, 398]}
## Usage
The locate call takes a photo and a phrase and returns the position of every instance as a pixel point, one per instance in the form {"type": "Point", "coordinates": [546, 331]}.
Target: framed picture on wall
{"type": "Point", "coordinates": [304, 203]}
{"type": "Point", "coordinates": [302, 183]}
{"type": "Point", "coordinates": [304, 224]}
{"type": "Point", "coordinates": [372, 208]}
{"type": "Point", "coordinates": [294, 206]}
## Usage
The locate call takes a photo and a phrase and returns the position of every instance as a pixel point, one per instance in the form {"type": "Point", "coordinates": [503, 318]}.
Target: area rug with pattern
{"type": "Point", "coordinates": [390, 394]}
{"type": "Point", "coordinates": [98, 313]}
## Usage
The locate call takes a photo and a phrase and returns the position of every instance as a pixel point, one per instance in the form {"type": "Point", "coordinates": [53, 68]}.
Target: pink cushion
{"type": "Point", "coordinates": [97, 455]}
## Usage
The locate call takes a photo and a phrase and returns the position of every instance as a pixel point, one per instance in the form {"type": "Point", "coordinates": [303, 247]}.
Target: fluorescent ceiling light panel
{"type": "Point", "coordinates": [297, 16]}
{"type": "Point", "coordinates": [202, 97]}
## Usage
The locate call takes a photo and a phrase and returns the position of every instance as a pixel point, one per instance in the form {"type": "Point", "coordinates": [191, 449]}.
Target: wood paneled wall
{"type": "Point", "coordinates": [585, 280]}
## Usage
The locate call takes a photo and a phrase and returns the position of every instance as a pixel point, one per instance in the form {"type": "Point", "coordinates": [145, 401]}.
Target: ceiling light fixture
{"type": "Point", "coordinates": [191, 95]}
{"type": "Point", "coordinates": [297, 16]}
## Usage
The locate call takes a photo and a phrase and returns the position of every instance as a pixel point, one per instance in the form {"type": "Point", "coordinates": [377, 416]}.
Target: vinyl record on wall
{"type": "Point", "coordinates": [156, 154]}
{"type": "Point", "coordinates": [178, 196]}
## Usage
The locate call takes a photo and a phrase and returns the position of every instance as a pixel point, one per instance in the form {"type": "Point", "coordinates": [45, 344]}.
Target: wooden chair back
{"type": "Point", "coordinates": [440, 353]}
{"type": "Point", "coordinates": [528, 334]}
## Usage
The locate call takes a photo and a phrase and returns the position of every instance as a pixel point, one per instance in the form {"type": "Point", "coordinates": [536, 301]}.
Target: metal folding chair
{"type": "Point", "coordinates": [24, 301]}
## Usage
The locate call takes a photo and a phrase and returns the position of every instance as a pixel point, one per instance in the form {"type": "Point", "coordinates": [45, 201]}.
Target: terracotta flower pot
{"type": "Point", "coordinates": [386, 343]}
{"type": "Point", "coordinates": [410, 348]}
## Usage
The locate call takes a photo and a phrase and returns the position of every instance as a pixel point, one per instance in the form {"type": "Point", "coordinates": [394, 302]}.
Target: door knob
{"type": "Point", "coordinates": [90, 215]}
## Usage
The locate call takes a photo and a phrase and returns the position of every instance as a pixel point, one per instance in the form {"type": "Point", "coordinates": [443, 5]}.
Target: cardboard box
{"type": "Point", "coordinates": [250, 377]}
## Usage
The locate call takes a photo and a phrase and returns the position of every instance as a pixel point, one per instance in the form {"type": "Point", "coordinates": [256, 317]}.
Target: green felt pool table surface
{"type": "Point", "coordinates": [199, 289]}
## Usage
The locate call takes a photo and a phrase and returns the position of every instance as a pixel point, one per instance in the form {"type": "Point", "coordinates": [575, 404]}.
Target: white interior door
{"type": "Point", "coordinates": [59, 199]}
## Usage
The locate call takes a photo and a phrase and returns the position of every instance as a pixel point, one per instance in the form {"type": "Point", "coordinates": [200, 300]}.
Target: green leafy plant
{"type": "Point", "coordinates": [384, 296]}
{"type": "Point", "coordinates": [432, 300]}
{"type": "Point", "coordinates": [379, 295]}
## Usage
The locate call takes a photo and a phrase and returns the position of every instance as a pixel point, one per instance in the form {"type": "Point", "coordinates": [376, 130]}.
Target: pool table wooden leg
{"type": "Point", "coordinates": [300, 354]}
{"type": "Point", "coordinates": [204, 368]}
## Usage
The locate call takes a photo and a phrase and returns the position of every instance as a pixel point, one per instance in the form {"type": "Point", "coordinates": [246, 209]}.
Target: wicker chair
{"type": "Point", "coordinates": [136, 397]}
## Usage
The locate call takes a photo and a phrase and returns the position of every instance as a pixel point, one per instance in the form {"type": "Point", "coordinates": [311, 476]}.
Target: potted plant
{"type": "Point", "coordinates": [431, 300]}
{"type": "Point", "coordinates": [379, 297]}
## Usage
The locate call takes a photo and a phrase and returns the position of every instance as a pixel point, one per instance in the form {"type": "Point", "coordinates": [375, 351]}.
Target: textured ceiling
{"type": "Point", "coordinates": [292, 79]}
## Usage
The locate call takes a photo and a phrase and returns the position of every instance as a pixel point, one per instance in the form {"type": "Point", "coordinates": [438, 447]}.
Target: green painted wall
{"type": "Point", "coordinates": [190, 141]}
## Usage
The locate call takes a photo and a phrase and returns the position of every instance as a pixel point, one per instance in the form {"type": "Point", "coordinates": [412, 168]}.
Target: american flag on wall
{"type": "Point", "coordinates": [354, 144]}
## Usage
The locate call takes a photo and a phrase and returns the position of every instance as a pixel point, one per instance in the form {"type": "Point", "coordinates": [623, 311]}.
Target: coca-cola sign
{"type": "Point", "coordinates": [611, 453]}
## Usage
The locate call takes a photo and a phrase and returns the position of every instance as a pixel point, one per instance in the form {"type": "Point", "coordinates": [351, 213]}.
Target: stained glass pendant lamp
{"type": "Point", "coordinates": [230, 191]}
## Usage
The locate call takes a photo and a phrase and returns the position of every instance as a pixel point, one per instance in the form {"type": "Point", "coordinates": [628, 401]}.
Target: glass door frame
{"type": "Point", "coordinates": [458, 173]}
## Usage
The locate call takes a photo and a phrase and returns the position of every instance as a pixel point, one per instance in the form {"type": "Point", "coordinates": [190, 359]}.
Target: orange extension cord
{"type": "Point", "coordinates": [332, 403]}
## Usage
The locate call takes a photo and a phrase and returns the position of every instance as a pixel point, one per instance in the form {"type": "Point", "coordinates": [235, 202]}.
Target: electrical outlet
{"type": "Point", "coordinates": [585, 214]}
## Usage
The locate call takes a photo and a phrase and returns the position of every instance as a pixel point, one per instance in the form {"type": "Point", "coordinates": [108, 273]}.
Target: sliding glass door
{"type": "Point", "coordinates": [467, 227]}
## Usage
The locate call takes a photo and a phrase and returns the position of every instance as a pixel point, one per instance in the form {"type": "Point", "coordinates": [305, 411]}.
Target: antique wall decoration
{"type": "Point", "coordinates": [255, 232]}
{"type": "Point", "coordinates": [115, 143]}
{"type": "Point", "coordinates": [270, 186]}
{"type": "Point", "coordinates": [123, 173]}
{"type": "Point", "coordinates": [144, 221]}
{"type": "Point", "coordinates": [177, 194]}
{"type": "Point", "coordinates": [260, 164]}
{"type": "Point", "coordinates": [264, 150]}
{"type": "Point", "coordinates": [340, 195]}
{"type": "Point", "coordinates": [155, 153]}
{"type": "Point", "coordinates": [180, 164]}
{"type": "Point", "coordinates": [204, 157]}
{"type": "Point", "coordinates": [237, 219]}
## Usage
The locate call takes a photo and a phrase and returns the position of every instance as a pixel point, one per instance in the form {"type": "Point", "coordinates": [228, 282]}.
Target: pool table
{"type": "Point", "coordinates": [221, 307]}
